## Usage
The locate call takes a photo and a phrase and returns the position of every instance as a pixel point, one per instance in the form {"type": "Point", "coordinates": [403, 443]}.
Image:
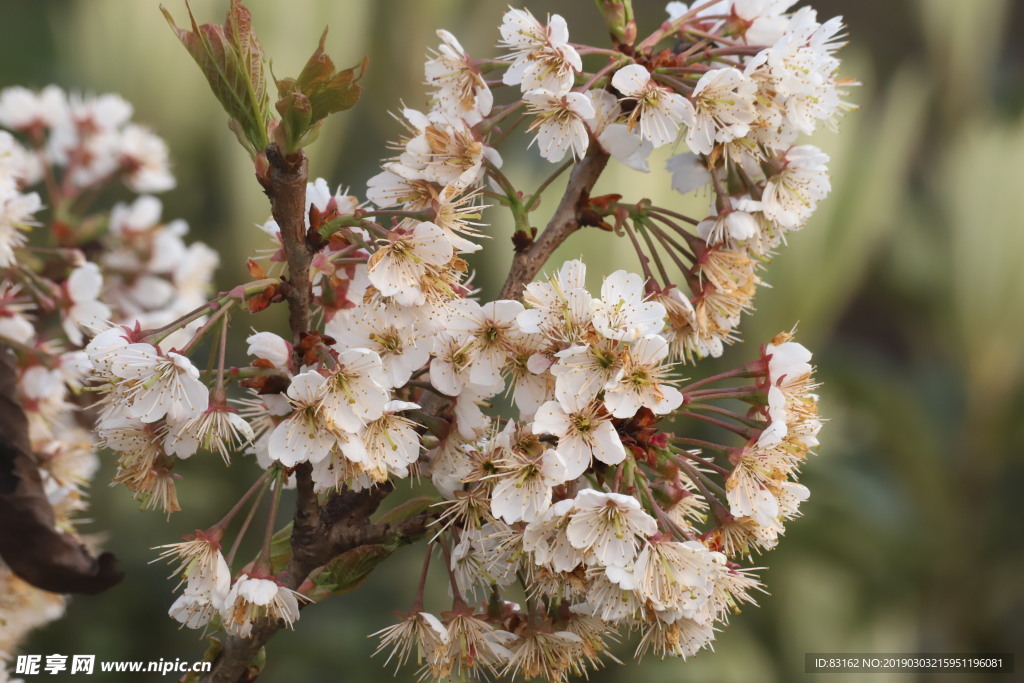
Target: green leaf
{"type": "Point", "coordinates": [231, 59]}
{"type": "Point", "coordinates": [281, 548]}
{"type": "Point", "coordinates": [348, 571]}
{"type": "Point", "coordinates": [326, 90]}
{"type": "Point", "coordinates": [296, 118]}
{"type": "Point", "coordinates": [409, 508]}
{"type": "Point", "coordinates": [330, 91]}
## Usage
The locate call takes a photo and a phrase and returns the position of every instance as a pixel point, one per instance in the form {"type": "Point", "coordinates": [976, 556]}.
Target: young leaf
{"type": "Point", "coordinates": [231, 58]}
{"type": "Point", "coordinates": [348, 571]}
{"type": "Point", "coordinates": [408, 509]}
{"type": "Point", "coordinates": [281, 547]}
{"type": "Point", "coordinates": [319, 91]}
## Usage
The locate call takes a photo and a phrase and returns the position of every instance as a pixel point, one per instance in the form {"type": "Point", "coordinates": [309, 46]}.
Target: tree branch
{"type": "Point", "coordinates": [319, 534]}
{"type": "Point", "coordinates": [343, 525]}
{"type": "Point", "coordinates": [285, 185]}
{"type": "Point", "coordinates": [29, 541]}
{"type": "Point", "coordinates": [528, 262]}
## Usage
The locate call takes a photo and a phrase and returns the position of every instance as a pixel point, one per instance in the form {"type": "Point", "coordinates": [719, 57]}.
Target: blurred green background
{"type": "Point", "coordinates": [908, 286]}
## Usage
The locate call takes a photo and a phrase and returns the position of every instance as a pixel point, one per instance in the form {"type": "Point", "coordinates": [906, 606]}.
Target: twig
{"type": "Point", "coordinates": [528, 262]}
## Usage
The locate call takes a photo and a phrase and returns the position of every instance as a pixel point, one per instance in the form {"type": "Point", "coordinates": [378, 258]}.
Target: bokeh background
{"type": "Point", "coordinates": [908, 284]}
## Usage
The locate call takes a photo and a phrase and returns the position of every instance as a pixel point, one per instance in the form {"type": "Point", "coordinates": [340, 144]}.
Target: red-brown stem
{"type": "Point", "coordinates": [218, 392]}
{"type": "Point", "coordinates": [457, 601]}
{"type": "Point", "coordinates": [245, 526]}
{"type": "Point", "coordinates": [207, 326]}
{"type": "Point", "coordinates": [662, 516]}
{"type": "Point", "coordinates": [644, 260]}
{"type": "Point", "coordinates": [673, 253]}
{"type": "Point", "coordinates": [745, 432]}
{"type": "Point", "coordinates": [602, 72]}
{"type": "Point", "coordinates": [417, 605]}
{"type": "Point", "coordinates": [736, 372]}
{"type": "Point", "coordinates": [645, 233]}
{"type": "Point", "coordinates": [703, 461]}
{"type": "Point", "coordinates": [674, 214]}
{"type": "Point", "coordinates": [698, 478]}
{"type": "Point", "coordinates": [223, 524]}
{"type": "Point", "coordinates": [158, 334]}
{"type": "Point", "coordinates": [667, 239]}
{"type": "Point", "coordinates": [670, 27]}
{"type": "Point", "coordinates": [285, 183]}
{"type": "Point", "coordinates": [754, 424]}
{"type": "Point", "coordinates": [724, 392]}
{"type": "Point", "coordinates": [535, 197]}
{"type": "Point", "coordinates": [275, 501]}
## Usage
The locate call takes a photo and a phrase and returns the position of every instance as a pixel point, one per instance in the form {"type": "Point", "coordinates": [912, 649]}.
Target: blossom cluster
{"type": "Point", "coordinates": [68, 270]}
{"type": "Point", "coordinates": [579, 485]}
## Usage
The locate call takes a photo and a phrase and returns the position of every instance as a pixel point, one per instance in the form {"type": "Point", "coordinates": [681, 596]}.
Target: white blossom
{"type": "Point", "coordinates": [723, 109]}
{"type": "Point", "coordinates": [610, 525]}
{"type": "Point", "coordinates": [608, 125]}
{"type": "Point", "coordinates": [354, 392]}
{"type": "Point", "coordinates": [524, 483]}
{"type": "Point", "coordinates": [659, 111]}
{"type": "Point", "coordinates": [163, 385]}
{"type": "Point", "coordinates": [584, 431]}
{"type": "Point", "coordinates": [642, 381]}
{"type": "Point", "coordinates": [271, 348]}
{"type": "Point", "coordinates": [791, 195]}
{"type": "Point", "coordinates": [252, 598]}
{"type": "Point", "coordinates": [624, 312]}
{"type": "Point", "coordinates": [305, 435]}
{"type": "Point", "coordinates": [461, 91]}
{"type": "Point", "coordinates": [559, 122]}
{"type": "Point", "coordinates": [83, 287]}
{"type": "Point", "coordinates": [398, 266]}
{"type": "Point", "coordinates": [542, 56]}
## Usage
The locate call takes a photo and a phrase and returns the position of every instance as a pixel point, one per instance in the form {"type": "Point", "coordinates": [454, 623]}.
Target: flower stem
{"type": "Point", "coordinates": [417, 605]}
{"type": "Point", "coordinates": [535, 197]}
{"type": "Point", "coordinates": [207, 326]}
{"type": "Point", "coordinates": [648, 275]}
{"type": "Point", "coordinates": [268, 534]}
{"type": "Point", "coordinates": [223, 523]}
{"type": "Point", "coordinates": [663, 517]}
{"type": "Point", "coordinates": [745, 432]}
{"type": "Point", "coordinates": [736, 372]}
{"type": "Point", "coordinates": [646, 233]}
{"type": "Point", "coordinates": [245, 525]}
{"type": "Point", "coordinates": [703, 461]}
{"type": "Point", "coordinates": [457, 601]}
{"type": "Point", "coordinates": [753, 424]}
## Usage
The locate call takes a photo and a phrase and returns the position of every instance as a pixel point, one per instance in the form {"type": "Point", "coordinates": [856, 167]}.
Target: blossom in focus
{"type": "Point", "coordinates": [659, 112]}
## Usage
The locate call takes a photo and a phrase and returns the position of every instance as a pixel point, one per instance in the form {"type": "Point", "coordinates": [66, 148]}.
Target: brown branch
{"type": "Point", "coordinates": [344, 524]}
{"type": "Point", "coordinates": [29, 541]}
{"type": "Point", "coordinates": [528, 262]}
{"type": "Point", "coordinates": [285, 185]}
{"type": "Point", "coordinates": [319, 534]}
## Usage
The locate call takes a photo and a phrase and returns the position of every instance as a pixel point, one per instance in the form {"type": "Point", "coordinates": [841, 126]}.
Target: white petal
{"type": "Point", "coordinates": [631, 80]}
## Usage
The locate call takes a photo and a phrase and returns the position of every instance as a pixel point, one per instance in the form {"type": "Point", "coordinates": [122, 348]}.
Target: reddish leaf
{"type": "Point", "coordinates": [231, 58]}
{"type": "Point", "coordinates": [319, 91]}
